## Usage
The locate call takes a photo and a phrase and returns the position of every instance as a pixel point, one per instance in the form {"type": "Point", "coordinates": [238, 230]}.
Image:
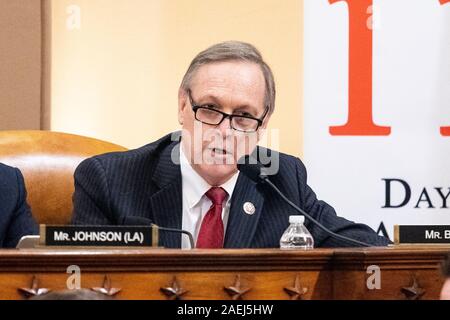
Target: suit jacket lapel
{"type": "Point", "coordinates": [167, 203]}
{"type": "Point", "coordinates": [241, 226]}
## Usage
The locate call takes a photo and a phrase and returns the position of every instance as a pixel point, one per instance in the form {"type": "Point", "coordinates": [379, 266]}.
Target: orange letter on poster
{"type": "Point", "coordinates": [360, 120]}
{"type": "Point", "coordinates": [445, 131]}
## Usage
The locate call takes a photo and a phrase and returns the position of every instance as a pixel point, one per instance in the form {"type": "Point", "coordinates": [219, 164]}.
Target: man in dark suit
{"type": "Point", "coordinates": [15, 215]}
{"type": "Point", "coordinates": [190, 180]}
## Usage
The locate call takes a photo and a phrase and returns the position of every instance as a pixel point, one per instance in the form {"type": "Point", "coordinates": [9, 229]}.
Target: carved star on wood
{"type": "Point", "coordinates": [297, 291]}
{"type": "Point", "coordinates": [413, 292]}
{"type": "Point", "coordinates": [235, 291]}
{"type": "Point", "coordinates": [34, 289]}
{"type": "Point", "coordinates": [107, 289]}
{"type": "Point", "coordinates": [174, 291]}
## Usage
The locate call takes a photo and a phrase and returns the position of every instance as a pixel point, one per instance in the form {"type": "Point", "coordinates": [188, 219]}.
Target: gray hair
{"type": "Point", "coordinates": [234, 50]}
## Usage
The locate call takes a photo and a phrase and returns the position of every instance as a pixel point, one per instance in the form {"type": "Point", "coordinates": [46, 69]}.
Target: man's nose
{"type": "Point", "coordinates": [225, 126]}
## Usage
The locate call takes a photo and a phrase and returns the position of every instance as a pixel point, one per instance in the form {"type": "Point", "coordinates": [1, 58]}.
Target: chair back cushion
{"type": "Point", "coordinates": [47, 161]}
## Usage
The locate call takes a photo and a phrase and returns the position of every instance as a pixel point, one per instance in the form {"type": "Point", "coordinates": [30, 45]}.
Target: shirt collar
{"type": "Point", "coordinates": [230, 184]}
{"type": "Point", "coordinates": [194, 186]}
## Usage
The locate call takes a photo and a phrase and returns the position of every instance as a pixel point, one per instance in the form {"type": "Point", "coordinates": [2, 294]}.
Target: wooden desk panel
{"type": "Point", "coordinates": [204, 274]}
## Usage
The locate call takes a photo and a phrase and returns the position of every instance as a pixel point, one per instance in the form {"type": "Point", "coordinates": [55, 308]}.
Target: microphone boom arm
{"type": "Point", "coordinates": [265, 179]}
{"type": "Point", "coordinates": [191, 238]}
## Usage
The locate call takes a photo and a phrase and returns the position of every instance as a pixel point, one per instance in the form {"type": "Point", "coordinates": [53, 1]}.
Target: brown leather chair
{"type": "Point", "coordinates": [48, 161]}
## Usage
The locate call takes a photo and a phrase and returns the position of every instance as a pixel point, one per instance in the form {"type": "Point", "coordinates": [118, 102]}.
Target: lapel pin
{"type": "Point", "coordinates": [249, 208]}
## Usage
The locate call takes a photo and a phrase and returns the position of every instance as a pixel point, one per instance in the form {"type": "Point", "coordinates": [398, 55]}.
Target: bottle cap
{"type": "Point", "coordinates": [296, 219]}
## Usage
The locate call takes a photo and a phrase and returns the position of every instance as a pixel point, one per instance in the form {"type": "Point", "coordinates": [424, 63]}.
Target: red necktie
{"type": "Point", "coordinates": [211, 230]}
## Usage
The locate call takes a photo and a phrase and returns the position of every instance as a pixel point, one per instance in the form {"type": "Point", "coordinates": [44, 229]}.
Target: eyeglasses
{"type": "Point", "coordinates": [208, 115]}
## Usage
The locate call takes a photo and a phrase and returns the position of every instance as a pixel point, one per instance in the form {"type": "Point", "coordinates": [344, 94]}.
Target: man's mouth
{"type": "Point", "coordinates": [219, 151]}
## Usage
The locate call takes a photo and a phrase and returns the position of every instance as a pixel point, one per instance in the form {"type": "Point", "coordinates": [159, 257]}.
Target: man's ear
{"type": "Point", "coordinates": [182, 104]}
{"type": "Point", "coordinates": [266, 121]}
{"type": "Point", "coordinates": [263, 126]}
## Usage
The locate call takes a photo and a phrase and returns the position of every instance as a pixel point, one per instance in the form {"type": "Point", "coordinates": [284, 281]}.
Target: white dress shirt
{"type": "Point", "coordinates": [195, 203]}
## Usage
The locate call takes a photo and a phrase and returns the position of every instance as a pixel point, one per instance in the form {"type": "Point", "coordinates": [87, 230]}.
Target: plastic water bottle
{"type": "Point", "coordinates": [296, 235]}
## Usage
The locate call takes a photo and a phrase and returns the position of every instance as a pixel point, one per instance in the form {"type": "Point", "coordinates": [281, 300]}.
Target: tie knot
{"type": "Point", "coordinates": [216, 195]}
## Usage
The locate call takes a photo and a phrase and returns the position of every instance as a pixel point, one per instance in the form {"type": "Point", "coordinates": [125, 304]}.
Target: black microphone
{"type": "Point", "coordinates": [141, 221]}
{"type": "Point", "coordinates": [254, 170]}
